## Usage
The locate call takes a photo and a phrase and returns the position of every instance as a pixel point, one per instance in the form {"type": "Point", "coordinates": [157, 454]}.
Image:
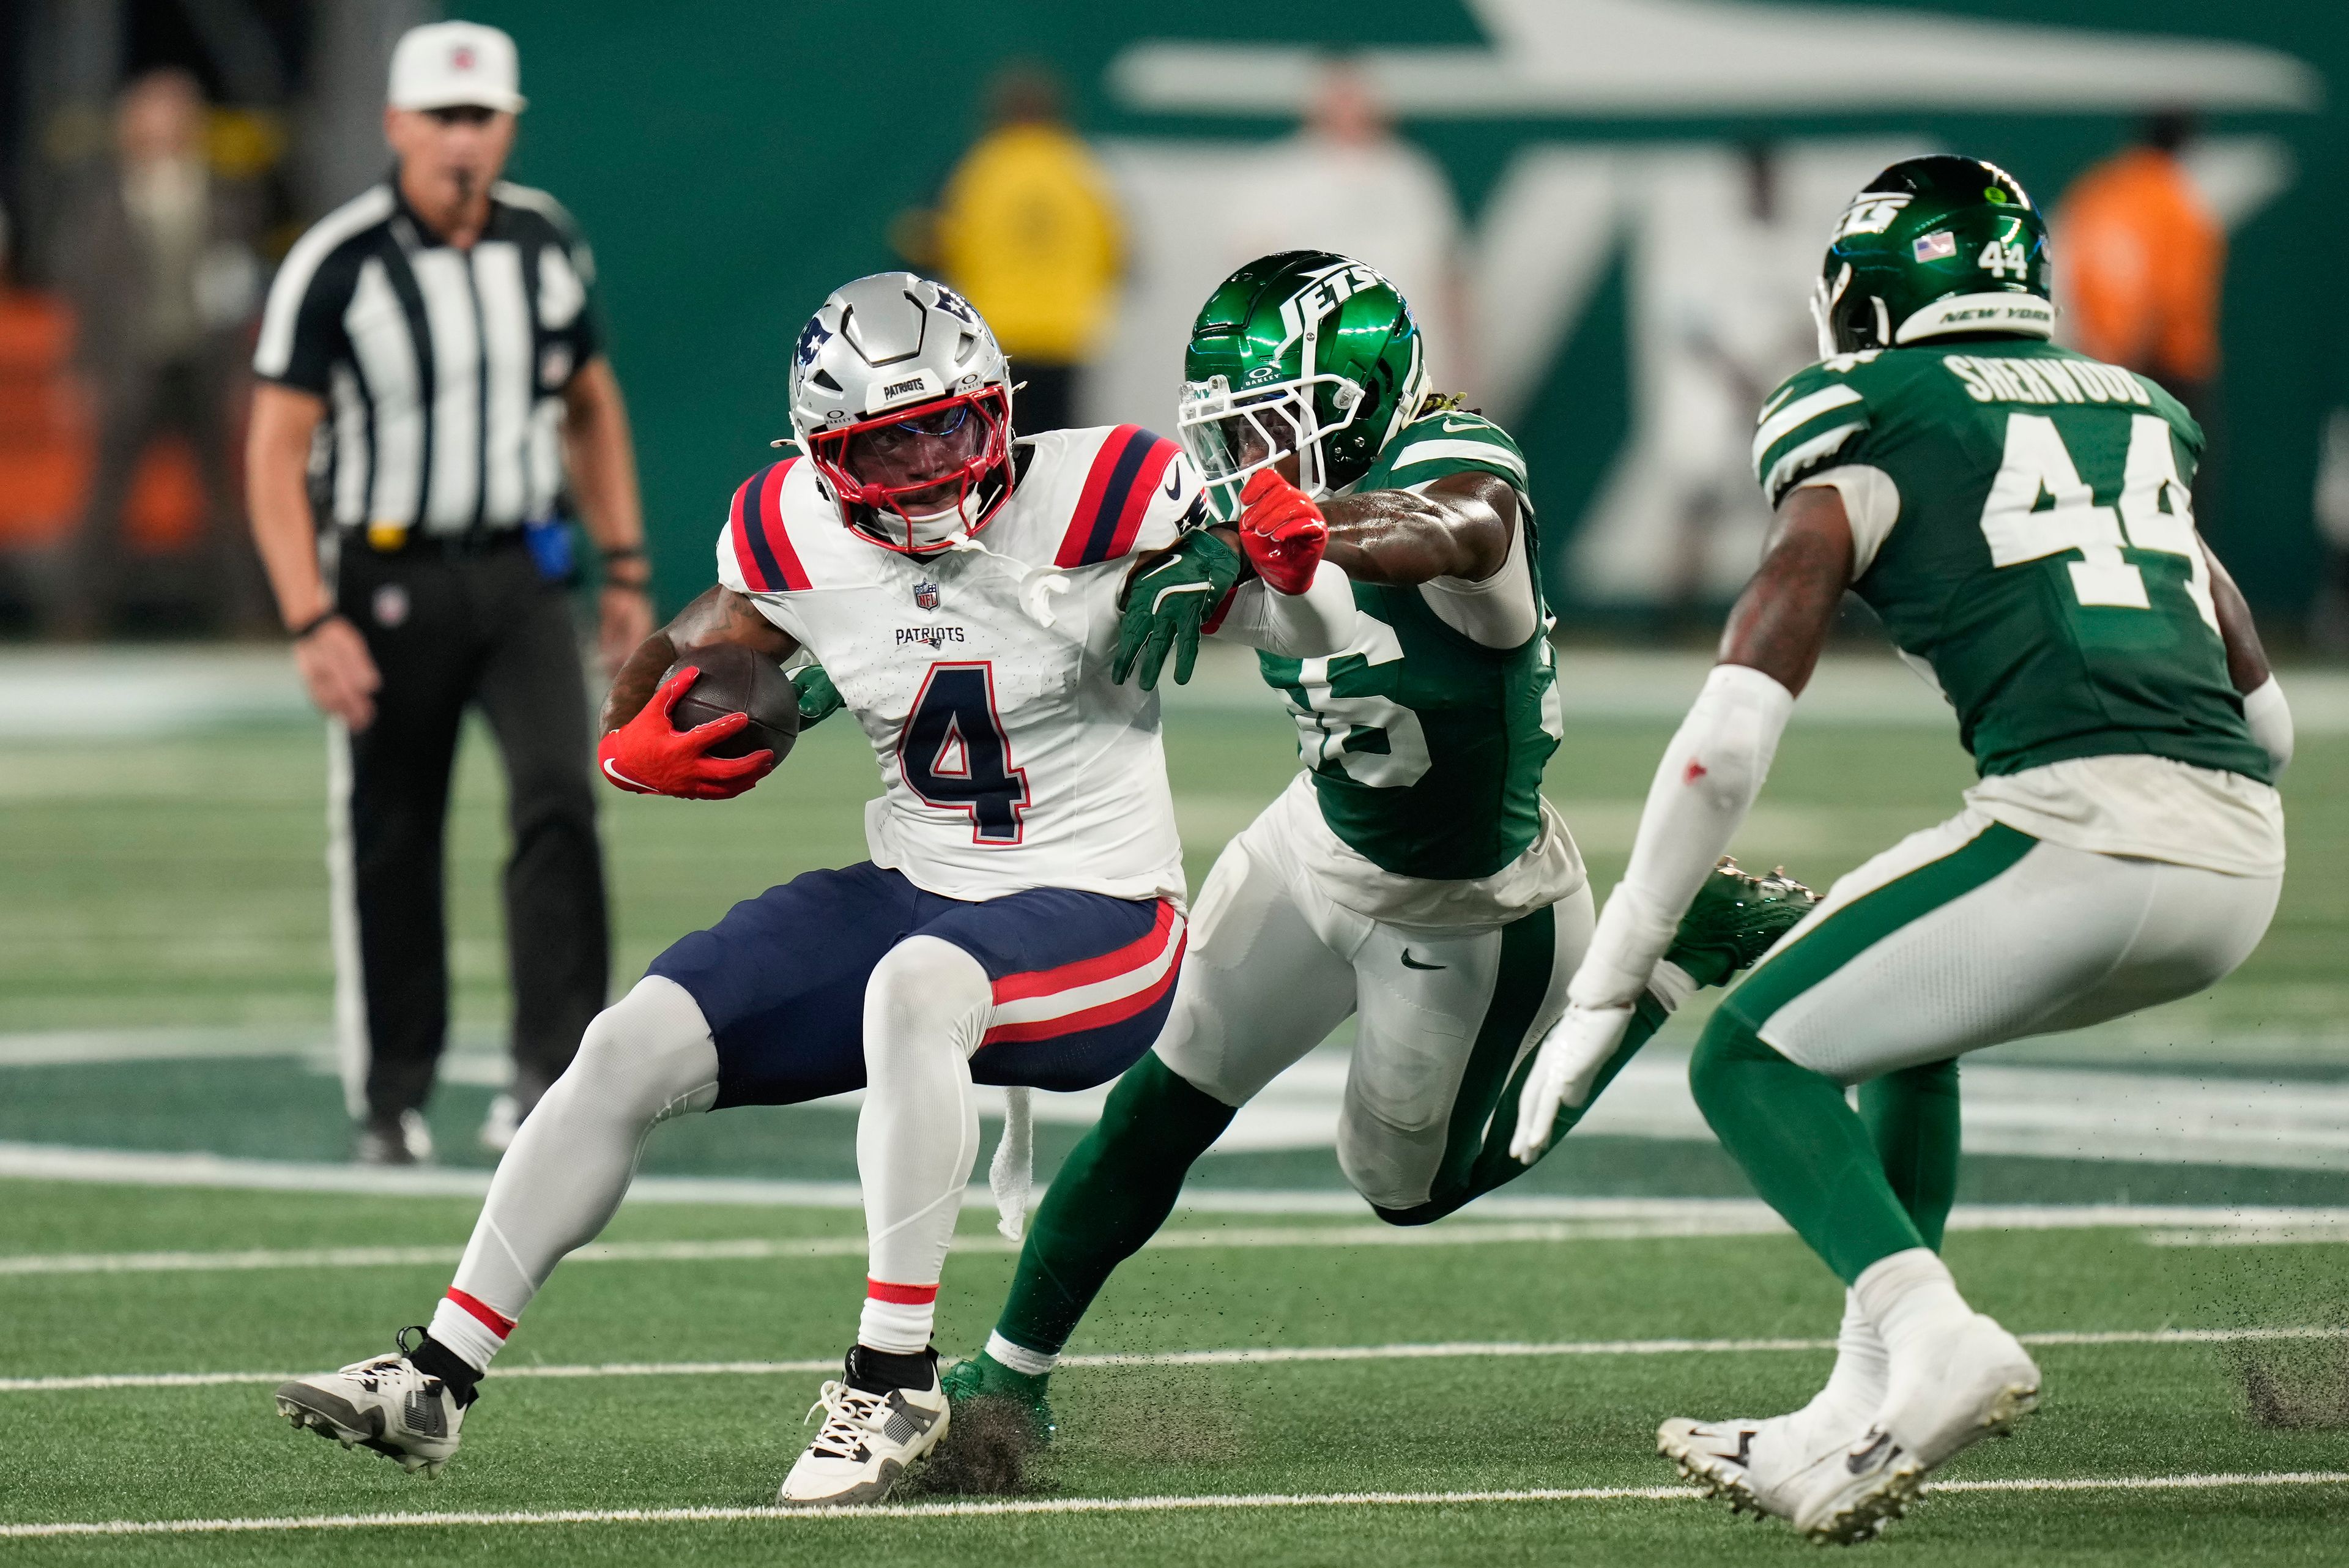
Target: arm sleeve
{"type": "Point", "coordinates": [1321, 620]}
{"type": "Point", "coordinates": [2269, 718]}
{"type": "Point", "coordinates": [1702, 790]}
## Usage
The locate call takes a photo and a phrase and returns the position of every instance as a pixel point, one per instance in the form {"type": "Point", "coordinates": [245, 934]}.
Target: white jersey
{"type": "Point", "coordinates": [980, 673]}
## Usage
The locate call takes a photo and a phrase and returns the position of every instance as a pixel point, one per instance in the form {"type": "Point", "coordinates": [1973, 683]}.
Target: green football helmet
{"type": "Point", "coordinates": [1303, 352]}
{"type": "Point", "coordinates": [1934, 246]}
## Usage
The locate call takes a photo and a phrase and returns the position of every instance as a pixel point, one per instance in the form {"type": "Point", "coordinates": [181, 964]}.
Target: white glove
{"type": "Point", "coordinates": [1565, 1064]}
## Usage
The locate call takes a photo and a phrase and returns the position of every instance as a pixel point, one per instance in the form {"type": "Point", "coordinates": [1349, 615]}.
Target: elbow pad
{"type": "Point", "coordinates": [1702, 790]}
{"type": "Point", "coordinates": [2269, 718]}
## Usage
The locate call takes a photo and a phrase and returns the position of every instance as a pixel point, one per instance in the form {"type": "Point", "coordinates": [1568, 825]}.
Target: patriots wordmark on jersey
{"type": "Point", "coordinates": [980, 673]}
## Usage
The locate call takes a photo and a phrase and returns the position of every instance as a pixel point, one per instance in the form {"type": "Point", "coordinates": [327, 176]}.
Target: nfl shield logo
{"type": "Point", "coordinates": [925, 596]}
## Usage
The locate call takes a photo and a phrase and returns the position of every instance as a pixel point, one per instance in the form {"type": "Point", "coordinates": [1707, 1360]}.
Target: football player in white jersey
{"type": "Point", "coordinates": [970, 598]}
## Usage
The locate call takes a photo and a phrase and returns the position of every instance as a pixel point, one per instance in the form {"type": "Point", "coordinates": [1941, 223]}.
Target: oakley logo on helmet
{"type": "Point", "coordinates": [1871, 213]}
{"type": "Point", "coordinates": [1323, 292]}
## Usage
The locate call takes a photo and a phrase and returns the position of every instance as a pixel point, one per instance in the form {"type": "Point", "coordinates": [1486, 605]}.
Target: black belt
{"type": "Point", "coordinates": [416, 544]}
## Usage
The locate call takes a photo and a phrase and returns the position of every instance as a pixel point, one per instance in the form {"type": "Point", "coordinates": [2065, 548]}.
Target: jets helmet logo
{"type": "Point", "coordinates": [1324, 291]}
{"type": "Point", "coordinates": [1871, 215]}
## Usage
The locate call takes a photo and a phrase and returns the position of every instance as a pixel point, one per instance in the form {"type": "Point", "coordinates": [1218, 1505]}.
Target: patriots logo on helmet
{"type": "Point", "coordinates": [955, 305]}
{"type": "Point", "coordinates": [813, 337]}
{"type": "Point", "coordinates": [925, 596]}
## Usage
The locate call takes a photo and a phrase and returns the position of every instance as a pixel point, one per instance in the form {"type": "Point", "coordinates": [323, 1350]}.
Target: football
{"type": "Point", "coordinates": [734, 680]}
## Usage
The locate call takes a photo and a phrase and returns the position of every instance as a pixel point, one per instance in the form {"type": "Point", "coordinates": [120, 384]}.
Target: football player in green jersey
{"type": "Point", "coordinates": [2021, 517]}
{"type": "Point", "coordinates": [1411, 875]}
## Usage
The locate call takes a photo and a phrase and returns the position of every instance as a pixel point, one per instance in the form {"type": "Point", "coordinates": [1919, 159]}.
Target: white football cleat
{"type": "Point", "coordinates": [1754, 1466]}
{"type": "Point", "coordinates": [386, 1405]}
{"type": "Point", "coordinates": [867, 1440]}
{"type": "Point", "coordinates": [1973, 1385]}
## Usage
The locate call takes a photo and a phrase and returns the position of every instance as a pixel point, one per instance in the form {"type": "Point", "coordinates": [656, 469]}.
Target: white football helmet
{"type": "Point", "coordinates": [902, 399]}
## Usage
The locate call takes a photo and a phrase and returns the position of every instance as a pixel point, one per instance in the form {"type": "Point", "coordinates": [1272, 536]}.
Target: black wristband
{"type": "Point", "coordinates": [624, 553]}
{"type": "Point", "coordinates": [632, 586]}
{"type": "Point", "coordinates": [303, 631]}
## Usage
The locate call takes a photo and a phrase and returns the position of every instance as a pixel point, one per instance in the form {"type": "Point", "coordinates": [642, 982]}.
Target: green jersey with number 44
{"type": "Point", "coordinates": [2034, 544]}
{"type": "Point", "coordinates": [1426, 748]}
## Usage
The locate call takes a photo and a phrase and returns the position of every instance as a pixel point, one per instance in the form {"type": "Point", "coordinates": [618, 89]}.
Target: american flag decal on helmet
{"type": "Point", "coordinates": [1941, 243]}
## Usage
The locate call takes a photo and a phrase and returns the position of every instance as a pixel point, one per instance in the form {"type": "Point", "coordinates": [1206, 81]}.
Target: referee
{"type": "Point", "coordinates": [431, 380]}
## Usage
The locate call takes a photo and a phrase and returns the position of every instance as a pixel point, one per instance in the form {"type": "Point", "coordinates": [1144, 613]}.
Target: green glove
{"type": "Point", "coordinates": [1168, 602]}
{"type": "Point", "coordinates": [819, 698]}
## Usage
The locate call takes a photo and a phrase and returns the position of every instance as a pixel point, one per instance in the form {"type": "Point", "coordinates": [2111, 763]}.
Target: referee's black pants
{"type": "Point", "coordinates": [449, 630]}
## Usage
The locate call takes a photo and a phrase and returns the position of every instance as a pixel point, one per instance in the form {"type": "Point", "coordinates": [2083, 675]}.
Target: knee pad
{"type": "Point", "coordinates": [922, 989]}
{"type": "Point", "coordinates": [649, 1052]}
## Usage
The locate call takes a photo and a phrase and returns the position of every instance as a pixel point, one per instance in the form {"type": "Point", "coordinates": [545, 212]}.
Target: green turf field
{"type": "Point", "coordinates": [1475, 1420]}
{"type": "Point", "coordinates": [164, 984]}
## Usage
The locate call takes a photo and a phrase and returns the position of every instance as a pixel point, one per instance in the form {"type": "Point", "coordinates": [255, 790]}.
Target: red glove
{"type": "Point", "coordinates": [650, 755]}
{"type": "Point", "coordinates": [1282, 531]}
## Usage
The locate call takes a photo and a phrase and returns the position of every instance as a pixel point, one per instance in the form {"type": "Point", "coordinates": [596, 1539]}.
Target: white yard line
{"type": "Point", "coordinates": [2220, 1227]}
{"type": "Point", "coordinates": [1253, 1355]}
{"type": "Point", "coordinates": [1636, 1218]}
{"type": "Point", "coordinates": [1062, 1505]}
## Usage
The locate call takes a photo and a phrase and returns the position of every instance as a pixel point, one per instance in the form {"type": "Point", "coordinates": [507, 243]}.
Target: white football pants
{"type": "Point", "coordinates": [2058, 940]}
{"type": "Point", "coordinates": [1274, 966]}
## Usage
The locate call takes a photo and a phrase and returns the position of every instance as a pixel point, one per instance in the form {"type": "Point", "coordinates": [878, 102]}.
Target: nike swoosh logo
{"type": "Point", "coordinates": [1862, 1458]}
{"type": "Point", "coordinates": [1410, 962]}
{"type": "Point", "coordinates": [1450, 427]}
{"type": "Point", "coordinates": [1174, 481]}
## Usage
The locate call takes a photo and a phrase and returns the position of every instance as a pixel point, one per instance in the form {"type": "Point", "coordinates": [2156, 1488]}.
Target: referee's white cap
{"type": "Point", "coordinates": [451, 65]}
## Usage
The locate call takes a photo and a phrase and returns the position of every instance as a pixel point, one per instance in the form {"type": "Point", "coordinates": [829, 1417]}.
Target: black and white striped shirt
{"type": "Point", "coordinates": [443, 369]}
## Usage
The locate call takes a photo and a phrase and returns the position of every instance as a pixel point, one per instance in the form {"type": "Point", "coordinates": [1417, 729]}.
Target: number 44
{"type": "Point", "coordinates": [1998, 258]}
{"type": "Point", "coordinates": [2155, 505]}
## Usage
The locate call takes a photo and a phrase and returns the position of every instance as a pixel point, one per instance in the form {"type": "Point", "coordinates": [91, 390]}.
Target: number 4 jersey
{"type": "Point", "coordinates": [2023, 521]}
{"type": "Point", "coordinates": [1009, 758]}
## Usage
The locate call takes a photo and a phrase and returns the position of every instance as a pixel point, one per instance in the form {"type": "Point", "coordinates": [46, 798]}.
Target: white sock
{"type": "Point", "coordinates": [473, 1330]}
{"type": "Point", "coordinates": [1912, 1302]}
{"type": "Point", "coordinates": [926, 1009]}
{"type": "Point", "coordinates": [1020, 1358]}
{"type": "Point", "coordinates": [1855, 1387]}
{"type": "Point", "coordinates": [643, 1059]}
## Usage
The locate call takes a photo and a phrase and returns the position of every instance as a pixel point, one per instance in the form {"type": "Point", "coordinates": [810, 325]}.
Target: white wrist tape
{"type": "Point", "coordinates": [1702, 790]}
{"type": "Point", "coordinates": [2270, 717]}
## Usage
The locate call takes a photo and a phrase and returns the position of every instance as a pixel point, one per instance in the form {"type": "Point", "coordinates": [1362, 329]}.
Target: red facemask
{"type": "Point", "coordinates": [939, 465]}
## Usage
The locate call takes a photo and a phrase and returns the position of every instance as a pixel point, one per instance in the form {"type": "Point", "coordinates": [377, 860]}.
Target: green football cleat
{"type": "Point", "coordinates": [1736, 918]}
{"type": "Point", "coordinates": [984, 1378]}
